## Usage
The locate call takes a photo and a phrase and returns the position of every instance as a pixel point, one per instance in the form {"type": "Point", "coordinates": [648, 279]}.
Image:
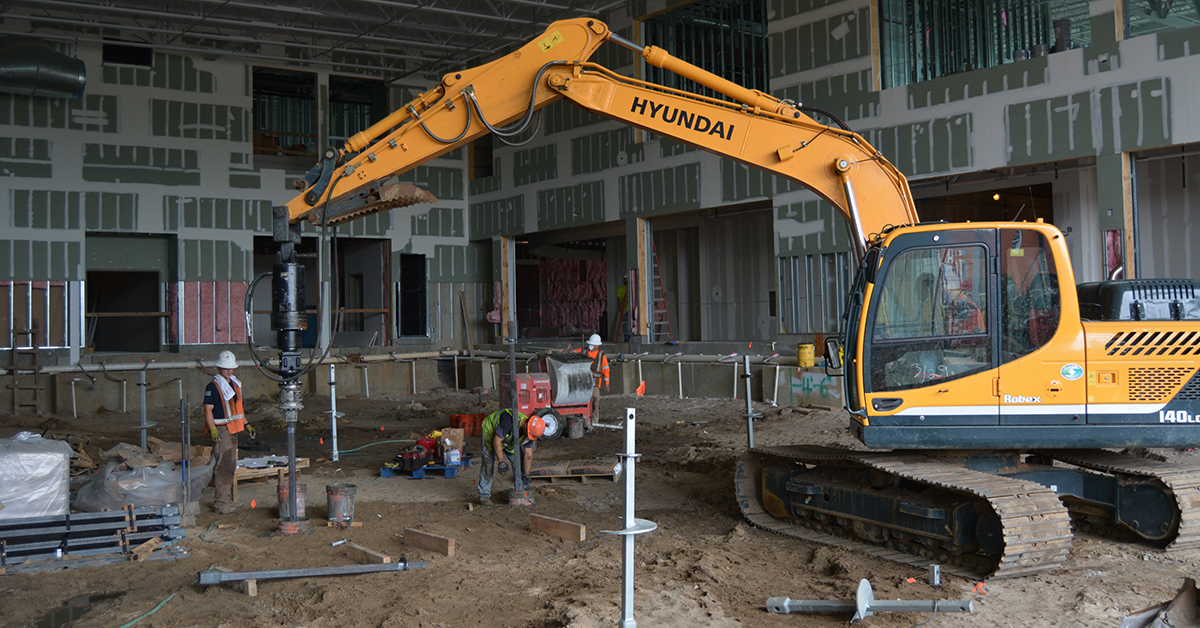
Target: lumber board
{"type": "Point", "coordinates": [247, 587]}
{"type": "Point", "coordinates": [432, 542]}
{"type": "Point", "coordinates": [266, 474]}
{"type": "Point", "coordinates": [366, 555]}
{"type": "Point", "coordinates": [140, 552]}
{"type": "Point", "coordinates": [561, 528]}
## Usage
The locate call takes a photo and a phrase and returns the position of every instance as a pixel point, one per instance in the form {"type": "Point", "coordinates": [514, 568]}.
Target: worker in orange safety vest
{"type": "Point", "coordinates": [600, 371]}
{"type": "Point", "coordinates": [225, 419]}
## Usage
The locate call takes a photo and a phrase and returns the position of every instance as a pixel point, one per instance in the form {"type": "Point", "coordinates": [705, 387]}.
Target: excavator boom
{"type": "Point", "coordinates": [754, 128]}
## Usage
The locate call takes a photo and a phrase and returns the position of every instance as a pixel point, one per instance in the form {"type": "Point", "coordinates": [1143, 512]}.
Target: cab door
{"type": "Point", "coordinates": [1041, 371]}
{"type": "Point", "coordinates": [932, 333]}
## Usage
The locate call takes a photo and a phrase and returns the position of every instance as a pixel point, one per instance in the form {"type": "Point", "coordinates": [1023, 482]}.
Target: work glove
{"type": "Point", "coordinates": [252, 432]}
{"type": "Point", "coordinates": [525, 480]}
{"type": "Point", "coordinates": [213, 434]}
{"type": "Point", "coordinates": [501, 467]}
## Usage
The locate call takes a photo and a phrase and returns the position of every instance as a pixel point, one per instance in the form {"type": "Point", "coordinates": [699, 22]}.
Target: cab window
{"type": "Point", "coordinates": [932, 318]}
{"type": "Point", "coordinates": [1029, 296]}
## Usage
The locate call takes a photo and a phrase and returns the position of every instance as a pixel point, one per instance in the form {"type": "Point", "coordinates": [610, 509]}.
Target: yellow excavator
{"type": "Point", "coordinates": [997, 396]}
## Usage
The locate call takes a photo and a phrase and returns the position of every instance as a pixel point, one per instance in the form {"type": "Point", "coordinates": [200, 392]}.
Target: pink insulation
{"type": "Point", "coordinates": [213, 312]}
{"type": "Point", "coordinates": [573, 292]}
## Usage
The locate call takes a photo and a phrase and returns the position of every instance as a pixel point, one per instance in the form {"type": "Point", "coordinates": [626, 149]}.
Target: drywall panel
{"type": "Point", "coordinates": [532, 165]}
{"type": "Point", "coordinates": [573, 205]}
{"type": "Point", "coordinates": [662, 191]}
{"type": "Point", "coordinates": [504, 216]}
{"type": "Point", "coordinates": [25, 157]}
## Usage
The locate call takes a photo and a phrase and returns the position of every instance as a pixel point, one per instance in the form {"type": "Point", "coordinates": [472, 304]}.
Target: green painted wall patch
{"type": "Point", "coordinates": [499, 217]}
{"type": "Point", "coordinates": [667, 190]}
{"type": "Point", "coordinates": [140, 164]}
{"type": "Point", "coordinates": [572, 205]}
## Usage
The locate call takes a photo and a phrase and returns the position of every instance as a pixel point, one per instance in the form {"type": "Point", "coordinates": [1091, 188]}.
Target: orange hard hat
{"type": "Point", "coordinates": [535, 428]}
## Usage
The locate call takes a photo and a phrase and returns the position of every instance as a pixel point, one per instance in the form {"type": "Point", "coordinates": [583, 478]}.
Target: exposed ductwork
{"type": "Point", "coordinates": [30, 67]}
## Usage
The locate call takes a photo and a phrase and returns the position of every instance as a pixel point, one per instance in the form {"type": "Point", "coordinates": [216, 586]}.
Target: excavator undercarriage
{"type": "Point", "coordinates": [993, 515]}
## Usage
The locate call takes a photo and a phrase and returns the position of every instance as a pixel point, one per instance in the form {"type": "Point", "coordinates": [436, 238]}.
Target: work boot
{"type": "Point", "coordinates": [485, 500]}
{"type": "Point", "coordinates": [225, 509]}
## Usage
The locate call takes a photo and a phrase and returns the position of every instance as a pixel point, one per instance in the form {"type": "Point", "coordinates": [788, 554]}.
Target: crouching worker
{"type": "Point", "coordinates": [497, 432]}
{"type": "Point", "coordinates": [224, 418]}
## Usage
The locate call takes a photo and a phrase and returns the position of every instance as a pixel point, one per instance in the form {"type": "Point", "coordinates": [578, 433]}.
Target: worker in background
{"type": "Point", "coordinates": [225, 419]}
{"type": "Point", "coordinates": [621, 327]}
{"type": "Point", "coordinates": [599, 372]}
{"type": "Point", "coordinates": [497, 432]}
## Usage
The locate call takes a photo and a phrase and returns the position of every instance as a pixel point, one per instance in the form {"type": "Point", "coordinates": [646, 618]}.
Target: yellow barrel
{"type": "Point", "coordinates": [806, 356]}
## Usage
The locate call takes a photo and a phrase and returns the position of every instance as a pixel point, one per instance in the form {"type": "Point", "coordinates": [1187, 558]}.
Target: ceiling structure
{"type": "Point", "coordinates": [401, 41]}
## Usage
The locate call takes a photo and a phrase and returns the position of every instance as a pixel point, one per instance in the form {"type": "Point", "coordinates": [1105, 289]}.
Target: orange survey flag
{"type": "Point", "coordinates": [641, 389]}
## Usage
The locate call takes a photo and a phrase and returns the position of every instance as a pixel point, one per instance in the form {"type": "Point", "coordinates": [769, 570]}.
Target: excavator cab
{"type": "Point", "coordinates": [949, 317]}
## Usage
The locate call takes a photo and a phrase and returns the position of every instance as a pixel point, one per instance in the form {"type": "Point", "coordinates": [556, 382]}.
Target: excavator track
{"type": "Point", "coordinates": [1182, 481]}
{"type": "Point", "coordinates": [1035, 525]}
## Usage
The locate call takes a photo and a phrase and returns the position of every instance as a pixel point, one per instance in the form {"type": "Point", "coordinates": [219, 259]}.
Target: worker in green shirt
{"type": "Point", "coordinates": [497, 433]}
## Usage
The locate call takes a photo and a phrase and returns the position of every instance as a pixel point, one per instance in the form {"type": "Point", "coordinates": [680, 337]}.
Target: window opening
{"type": "Point", "coordinates": [285, 115]}
{"type": "Point", "coordinates": [725, 37]}
{"type": "Point", "coordinates": [926, 39]}
{"type": "Point", "coordinates": [354, 105]}
{"type": "Point", "coordinates": [481, 164]}
{"type": "Point", "coordinates": [1143, 17]}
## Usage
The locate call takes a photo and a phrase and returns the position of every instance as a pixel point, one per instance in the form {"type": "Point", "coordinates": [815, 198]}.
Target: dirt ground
{"type": "Point", "coordinates": [704, 566]}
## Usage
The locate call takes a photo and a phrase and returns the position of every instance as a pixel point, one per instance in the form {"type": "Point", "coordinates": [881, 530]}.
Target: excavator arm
{"type": "Point", "coordinates": [757, 129]}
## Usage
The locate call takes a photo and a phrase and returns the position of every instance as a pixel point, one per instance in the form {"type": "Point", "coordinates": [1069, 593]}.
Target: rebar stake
{"type": "Point", "coordinates": [633, 526]}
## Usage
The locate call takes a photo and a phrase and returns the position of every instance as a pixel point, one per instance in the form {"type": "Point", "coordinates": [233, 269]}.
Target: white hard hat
{"type": "Point", "coordinates": [594, 341]}
{"type": "Point", "coordinates": [225, 360]}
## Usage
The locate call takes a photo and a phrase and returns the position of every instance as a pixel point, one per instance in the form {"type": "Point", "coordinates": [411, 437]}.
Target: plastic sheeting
{"type": "Point", "coordinates": [573, 292]}
{"type": "Point", "coordinates": [113, 489]}
{"type": "Point", "coordinates": [34, 476]}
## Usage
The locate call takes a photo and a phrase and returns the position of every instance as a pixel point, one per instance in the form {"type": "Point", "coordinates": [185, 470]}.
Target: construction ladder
{"type": "Point", "coordinates": [27, 373]}
{"type": "Point", "coordinates": [660, 320]}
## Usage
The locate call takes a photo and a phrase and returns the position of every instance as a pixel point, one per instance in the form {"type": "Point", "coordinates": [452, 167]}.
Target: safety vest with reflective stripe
{"type": "Point", "coordinates": [599, 364]}
{"type": "Point", "coordinates": [492, 421]}
{"type": "Point", "coordinates": [235, 416]}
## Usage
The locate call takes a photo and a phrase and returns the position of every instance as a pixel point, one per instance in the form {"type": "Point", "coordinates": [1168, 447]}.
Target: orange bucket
{"type": "Point", "coordinates": [470, 424]}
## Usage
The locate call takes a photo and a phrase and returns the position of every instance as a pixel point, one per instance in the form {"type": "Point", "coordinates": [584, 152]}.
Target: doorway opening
{"type": "Point", "coordinates": [123, 311]}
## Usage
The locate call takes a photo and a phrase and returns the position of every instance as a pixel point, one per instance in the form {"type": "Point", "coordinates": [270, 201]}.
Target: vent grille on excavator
{"type": "Point", "coordinates": [1155, 384]}
{"type": "Point", "coordinates": [1190, 390]}
{"type": "Point", "coordinates": [1143, 342]}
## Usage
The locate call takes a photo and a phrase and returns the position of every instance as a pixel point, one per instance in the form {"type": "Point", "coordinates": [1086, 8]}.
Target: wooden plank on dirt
{"type": "Point", "coordinates": [142, 551]}
{"type": "Point", "coordinates": [365, 555]}
{"type": "Point", "coordinates": [247, 587]}
{"type": "Point", "coordinates": [558, 527]}
{"type": "Point", "coordinates": [431, 542]}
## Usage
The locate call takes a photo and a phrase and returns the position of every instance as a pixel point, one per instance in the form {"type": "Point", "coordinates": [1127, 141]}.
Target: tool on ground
{"type": "Point", "coordinates": [865, 605]}
{"type": "Point", "coordinates": [337, 543]}
{"type": "Point", "coordinates": [633, 526]}
{"type": "Point", "coordinates": [208, 578]}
